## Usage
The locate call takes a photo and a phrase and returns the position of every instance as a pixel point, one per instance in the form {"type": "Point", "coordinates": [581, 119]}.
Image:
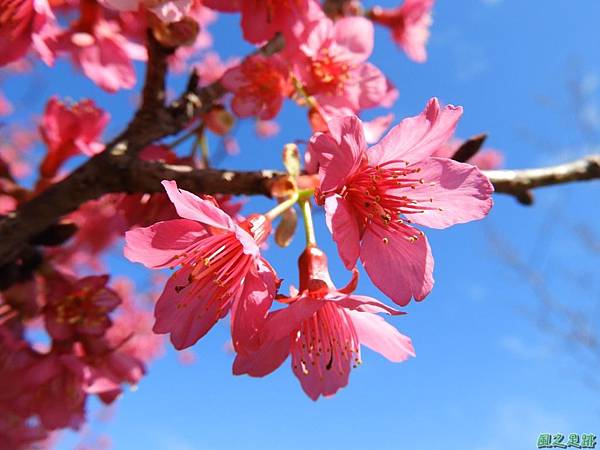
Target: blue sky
{"type": "Point", "coordinates": [486, 375]}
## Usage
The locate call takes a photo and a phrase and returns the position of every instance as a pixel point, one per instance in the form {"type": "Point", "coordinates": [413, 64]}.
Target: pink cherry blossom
{"type": "Point", "coordinates": [102, 52]}
{"type": "Point", "coordinates": [332, 65]}
{"type": "Point", "coordinates": [322, 329]}
{"type": "Point", "coordinates": [221, 269]}
{"type": "Point", "coordinates": [99, 223]}
{"type": "Point", "coordinates": [21, 22]}
{"type": "Point", "coordinates": [165, 10]}
{"type": "Point", "coordinates": [211, 68]}
{"type": "Point", "coordinates": [68, 130]}
{"type": "Point", "coordinates": [259, 85]}
{"type": "Point", "coordinates": [409, 24]}
{"type": "Point", "coordinates": [261, 19]}
{"type": "Point", "coordinates": [372, 196]}
{"type": "Point", "coordinates": [78, 307]}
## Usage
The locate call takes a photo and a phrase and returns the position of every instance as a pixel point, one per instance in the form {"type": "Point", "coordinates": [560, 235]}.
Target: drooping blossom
{"type": "Point", "coordinates": [220, 269]}
{"type": "Point", "coordinates": [78, 307]}
{"type": "Point", "coordinates": [409, 24]}
{"type": "Point", "coordinates": [259, 85]}
{"type": "Point", "coordinates": [332, 66]}
{"type": "Point", "coordinates": [486, 159]}
{"type": "Point", "coordinates": [373, 196]}
{"type": "Point", "coordinates": [68, 130]}
{"type": "Point", "coordinates": [322, 329]}
{"type": "Point", "coordinates": [21, 22]}
{"type": "Point", "coordinates": [261, 19]}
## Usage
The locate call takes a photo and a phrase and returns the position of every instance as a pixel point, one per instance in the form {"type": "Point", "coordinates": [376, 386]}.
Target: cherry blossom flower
{"type": "Point", "coordinates": [78, 307]}
{"type": "Point", "coordinates": [68, 130]}
{"type": "Point", "coordinates": [409, 24]}
{"type": "Point", "coordinates": [261, 19]}
{"type": "Point", "coordinates": [221, 269]}
{"type": "Point", "coordinates": [211, 68]}
{"type": "Point", "coordinates": [21, 22]}
{"type": "Point", "coordinates": [372, 196]}
{"type": "Point", "coordinates": [332, 65]}
{"type": "Point", "coordinates": [101, 51]}
{"type": "Point", "coordinates": [166, 10]}
{"type": "Point", "coordinates": [322, 329]}
{"type": "Point", "coordinates": [259, 85]}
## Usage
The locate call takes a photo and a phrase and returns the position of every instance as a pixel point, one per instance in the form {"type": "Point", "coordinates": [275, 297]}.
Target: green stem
{"type": "Point", "coordinates": [282, 207]}
{"type": "Point", "coordinates": [309, 228]}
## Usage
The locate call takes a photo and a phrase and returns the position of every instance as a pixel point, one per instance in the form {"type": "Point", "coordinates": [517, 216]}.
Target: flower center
{"type": "Point", "coordinates": [218, 265]}
{"type": "Point", "coordinates": [382, 196]}
{"type": "Point", "coordinates": [329, 75]}
{"type": "Point", "coordinates": [326, 341]}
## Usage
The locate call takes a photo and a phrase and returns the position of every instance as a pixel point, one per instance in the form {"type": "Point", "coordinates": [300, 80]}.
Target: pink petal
{"type": "Point", "coordinates": [189, 206]}
{"type": "Point", "coordinates": [344, 228]}
{"type": "Point", "coordinates": [341, 153]}
{"type": "Point", "coordinates": [373, 86]}
{"type": "Point", "coordinates": [264, 361]}
{"type": "Point", "coordinates": [356, 34]}
{"type": "Point", "coordinates": [250, 311]}
{"type": "Point", "coordinates": [374, 332]}
{"type": "Point", "coordinates": [460, 191]}
{"type": "Point", "coordinates": [375, 128]}
{"type": "Point", "coordinates": [417, 137]}
{"type": "Point", "coordinates": [399, 268]}
{"type": "Point", "coordinates": [187, 311]}
{"type": "Point", "coordinates": [159, 245]}
{"type": "Point", "coordinates": [363, 303]}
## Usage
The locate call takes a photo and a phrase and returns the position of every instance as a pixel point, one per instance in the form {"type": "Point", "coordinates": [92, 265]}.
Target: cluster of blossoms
{"type": "Point", "coordinates": [67, 333]}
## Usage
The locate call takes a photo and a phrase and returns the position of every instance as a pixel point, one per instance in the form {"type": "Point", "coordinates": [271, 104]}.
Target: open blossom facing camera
{"type": "Point", "coordinates": [221, 269]}
{"type": "Point", "coordinates": [332, 65]}
{"type": "Point", "coordinates": [372, 196]}
{"type": "Point", "coordinates": [259, 85]}
{"type": "Point", "coordinates": [409, 24]}
{"type": "Point", "coordinates": [323, 328]}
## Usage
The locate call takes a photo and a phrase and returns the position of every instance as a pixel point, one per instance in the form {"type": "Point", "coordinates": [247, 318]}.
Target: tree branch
{"type": "Point", "coordinates": [518, 183]}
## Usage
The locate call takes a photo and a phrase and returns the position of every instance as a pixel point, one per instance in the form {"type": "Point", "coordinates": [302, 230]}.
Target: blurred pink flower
{"type": "Point", "coordinates": [332, 65]}
{"type": "Point", "coordinates": [259, 85]}
{"type": "Point", "coordinates": [261, 19]}
{"type": "Point", "coordinates": [409, 24]}
{"type": "Point", "coordinates": [21, 21]}
{"type": "Point", "coordinates": [68, 130]}
{"type": "Point", "coordinates": [266, 128]}
{"type": "Point", "coordinates": [78, 307]}
{"type": "Point", "coordinates": [102, 52]}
